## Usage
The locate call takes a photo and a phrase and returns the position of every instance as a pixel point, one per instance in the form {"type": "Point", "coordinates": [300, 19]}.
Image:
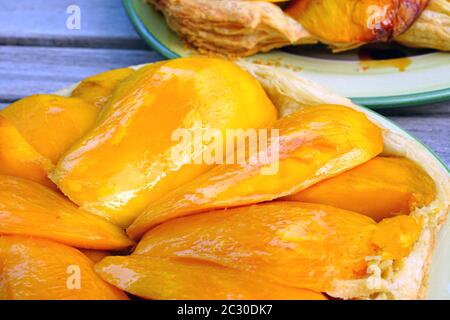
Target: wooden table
{"type": "Point", "coordinates": [40, 54]}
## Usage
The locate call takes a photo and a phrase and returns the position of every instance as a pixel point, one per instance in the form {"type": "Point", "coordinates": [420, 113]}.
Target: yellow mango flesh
{"type": "Point", "coordinates": [18, 158]}
{"type": "Point", "coordinates": [50, 123]}
{"type": "Point", "coordinates": [167, 279]}
{"type": "Point", "coordinates": [396, 236]}
{"type": "Point", "coordinates": [380, 188]}
{"type": "Point", "coordinates": [355, 21]}
{"type": "Point", "coordinates": [95, 255]}
{"type": "Point", "coordinates": [97, 89]}
{"type": "Point", "coordinates": [296, 244]}
{"type": "Point", "coordinates": [126, 162]}
{"type": "Point", "coordinates": [315, 143]}
{"type": "Point", "coordinates": [38, 269]}
{"type": "Point", "coordinates": [29, 209]}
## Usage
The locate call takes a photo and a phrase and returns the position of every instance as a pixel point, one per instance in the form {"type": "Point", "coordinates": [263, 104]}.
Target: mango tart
{"type": "Point", "coordinates": [224, 225]}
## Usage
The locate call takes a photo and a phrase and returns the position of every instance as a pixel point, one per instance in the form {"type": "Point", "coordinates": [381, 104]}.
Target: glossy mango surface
{"type": "Point", "coordinates": [113, 145]}
{"type": "Point", "coordinates": [126, 162]}
{"type": "Point", "coordinates": [30, 209]}
{"type": "Point", "coordinates": [292, 243]}
{"type": "Point", "coordinates": [38, 269]}
{"type": "Point", "coordinates": [396, 236]}
{"type": "Point", "coordinates": [314, 143]}
{"type": "Point", "coordinates": [18, 158]}
{"type": "Point", "coordinates": [97, 89]}
{"type": "Point", "coordinates": [51, 123]}
{"type": "Point", "coordinates": [380, 188]}
{"type": "Point", "coordinates": [181, 279]}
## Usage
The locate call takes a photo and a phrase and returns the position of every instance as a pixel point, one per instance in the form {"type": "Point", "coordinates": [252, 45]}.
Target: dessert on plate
{"type": "Point", "coordinates": [334, 201]}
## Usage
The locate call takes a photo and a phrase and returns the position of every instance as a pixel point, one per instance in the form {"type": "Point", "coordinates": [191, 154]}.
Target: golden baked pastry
{"type": "Point", "coordinates": [243, 28]}
{"type": "Point", "coordinates": [234, 28]}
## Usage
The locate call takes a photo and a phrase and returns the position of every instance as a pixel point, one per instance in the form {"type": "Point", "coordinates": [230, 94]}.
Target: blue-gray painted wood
{"type": "Point", "coordinates": [43, 23]}
{"type": "Point", "coordinates": [29, 70]}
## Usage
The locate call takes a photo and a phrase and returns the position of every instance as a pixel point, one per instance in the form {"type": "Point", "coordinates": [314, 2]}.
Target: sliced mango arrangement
{"type": "Point", "coordinates": [93, 202]}
{"type": "Point", "coordinates": [314, 144]}
{"type": "Point", "coordinates": [38, 226]}
{"type": "Point", "coordinates": [296, 244]}
{"type": "Point", "coordinates": [125, 162]}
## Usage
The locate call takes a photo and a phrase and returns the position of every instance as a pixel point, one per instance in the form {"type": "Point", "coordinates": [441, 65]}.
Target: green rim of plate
{"type": "Point", "coordinates": [384, 102]}
{"type": "Point", "coordinates": [407, 100]}
{"type": "Point", "coordinates": [145, 34]}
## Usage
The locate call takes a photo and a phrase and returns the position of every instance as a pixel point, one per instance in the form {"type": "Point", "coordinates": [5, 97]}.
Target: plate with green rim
{"type": "Point", "coordinates": [394, 76]}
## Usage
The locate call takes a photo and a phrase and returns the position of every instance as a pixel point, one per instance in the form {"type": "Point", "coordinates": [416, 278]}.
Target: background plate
{"type": "Point", "coordinates": [423, 77]}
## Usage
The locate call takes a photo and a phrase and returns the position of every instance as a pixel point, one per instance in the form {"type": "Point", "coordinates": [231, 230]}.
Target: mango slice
{"type": "Point", "coordinates": [30, 209]}
{"type": "Point", "coordinates": [395, 236]}
{"type": "Point", "coordinates": [315, 143]}
{"type": "Point", "coordinates": [97, 89]}
{"type": "Point", "coordinates": [356, 21]}
{"type": "Point", "coordinates": [50, 123]}
{"type": "Point", "coordinates": [380, 188]}
{"type": "Point", "coordinates": [164, 279]}
{"type": "Point", "coordinates": [296, 244]}
{"type": "Point", "coordinates": [19, 158]}
{"type": "Point", "coordinates": [126, 162]}
{"type": "Point", "coordinates": [38, 269]}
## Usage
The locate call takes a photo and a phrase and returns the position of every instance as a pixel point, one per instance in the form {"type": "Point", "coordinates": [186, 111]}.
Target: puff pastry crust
{"type": "Point", "coordinates": [232, 27]}
{"type": "Point", "coordinates": [239, 28]}
{"type": "Point", "coordinates": [431, 29]}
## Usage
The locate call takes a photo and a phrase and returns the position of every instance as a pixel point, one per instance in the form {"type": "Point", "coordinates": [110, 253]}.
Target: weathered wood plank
{"type": "Point", "coordinates": [28, 70]}
{"type": "Point", "coordinates": [429, 123]}
{"type": "Point", "coordinates": [44, 23]}
{"type": "Point", "coordinates": [432, 131]}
